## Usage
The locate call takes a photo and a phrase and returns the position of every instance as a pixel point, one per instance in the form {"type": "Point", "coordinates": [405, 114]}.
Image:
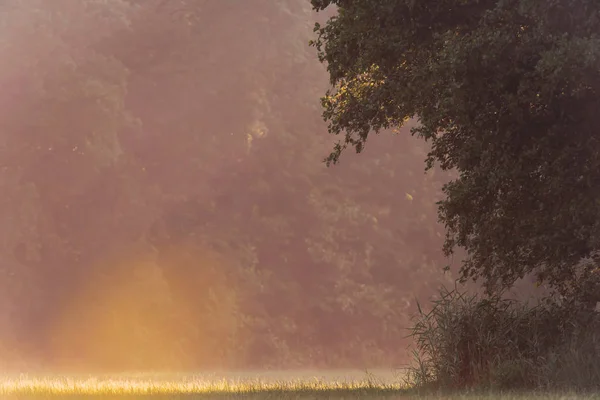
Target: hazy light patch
{"type": "Point", "coordinates": [131, 316]}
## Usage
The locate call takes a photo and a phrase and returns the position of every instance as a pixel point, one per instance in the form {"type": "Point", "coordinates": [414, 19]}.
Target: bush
{"type": "Point", "coordinates": [471, 342]}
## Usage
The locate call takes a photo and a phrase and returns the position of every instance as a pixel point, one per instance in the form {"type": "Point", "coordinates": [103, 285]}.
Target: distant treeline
{"type": "Point", "coordinates": [164, 203]}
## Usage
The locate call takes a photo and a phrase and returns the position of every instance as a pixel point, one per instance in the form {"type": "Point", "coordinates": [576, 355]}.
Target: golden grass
{"type": "Point", "coordinates": [190, 387]}
{"type": "Point", "coordinates": [24, 388]}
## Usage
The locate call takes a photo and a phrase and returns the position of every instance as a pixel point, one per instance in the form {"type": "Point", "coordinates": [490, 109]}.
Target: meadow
{"type": "Point", "coordinates": [254, 385]}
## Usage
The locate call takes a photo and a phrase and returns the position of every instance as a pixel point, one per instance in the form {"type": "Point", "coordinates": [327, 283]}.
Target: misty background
{"type": "Point", "coordinates": [165, 204]}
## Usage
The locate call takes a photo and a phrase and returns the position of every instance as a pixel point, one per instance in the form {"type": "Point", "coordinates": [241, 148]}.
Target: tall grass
{"type": "Point", "coordinates": [186, 387]}
{"type": "Point", "coordinates": [191, 387]}
{"type": "Point", "coordinates": [467, 341]}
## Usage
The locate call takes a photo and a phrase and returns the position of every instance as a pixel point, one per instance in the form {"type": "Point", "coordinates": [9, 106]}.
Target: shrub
{"type": "Point", "coordinates": [468, 341]}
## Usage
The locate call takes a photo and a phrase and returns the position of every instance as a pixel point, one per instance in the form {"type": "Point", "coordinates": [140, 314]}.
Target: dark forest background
{"type": "Point", "coordinates": [165, 204]}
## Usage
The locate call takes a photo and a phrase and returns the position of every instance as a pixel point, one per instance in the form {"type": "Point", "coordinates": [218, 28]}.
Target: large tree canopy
{"type": "Point", "coordinates": [507, 92]}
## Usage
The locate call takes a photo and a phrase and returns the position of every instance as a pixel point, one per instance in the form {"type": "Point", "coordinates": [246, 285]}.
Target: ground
{"type": "Point", "coordinates": [248, 385]}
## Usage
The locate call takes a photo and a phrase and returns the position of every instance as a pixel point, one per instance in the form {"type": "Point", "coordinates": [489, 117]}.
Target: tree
{"type": "Point", "coordinates": [162, 184]}
{"type": "Point", "coordinates": [506, 91]}
{"type": "Point", "coordinates": [62, 114]}
{"type": "Point", "coordinates": [243, 178]}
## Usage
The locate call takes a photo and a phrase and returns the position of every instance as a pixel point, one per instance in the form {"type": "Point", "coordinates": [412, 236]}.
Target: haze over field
{"type": "Point", "coordinates": [164, 205]}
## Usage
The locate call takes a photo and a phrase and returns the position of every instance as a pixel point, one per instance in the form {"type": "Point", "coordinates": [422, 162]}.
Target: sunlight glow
{"type": "Point", "coordinates": [136, 315]}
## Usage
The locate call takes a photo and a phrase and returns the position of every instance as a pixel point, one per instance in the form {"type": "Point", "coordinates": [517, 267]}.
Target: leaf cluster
{"type": "Point", "coordinates": [506, 92]}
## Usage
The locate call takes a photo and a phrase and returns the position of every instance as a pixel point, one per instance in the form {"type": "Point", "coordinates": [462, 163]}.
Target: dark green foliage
{"type": "Point", "coordinates": [507, 92]}
{"type": "Point", "coordinates": [469, 342]}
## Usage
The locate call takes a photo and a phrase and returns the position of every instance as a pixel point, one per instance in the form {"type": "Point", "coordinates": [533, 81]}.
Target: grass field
{"type": "Point", "coordinates": [265, 385]}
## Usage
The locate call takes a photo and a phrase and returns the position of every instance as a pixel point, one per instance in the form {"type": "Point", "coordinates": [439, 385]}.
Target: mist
{"type": "Point", "coordinates": [165, 205]}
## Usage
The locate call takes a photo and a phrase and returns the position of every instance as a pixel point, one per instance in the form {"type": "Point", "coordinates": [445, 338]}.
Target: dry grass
{"type": "Point", "coordinates": [191, 387]}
